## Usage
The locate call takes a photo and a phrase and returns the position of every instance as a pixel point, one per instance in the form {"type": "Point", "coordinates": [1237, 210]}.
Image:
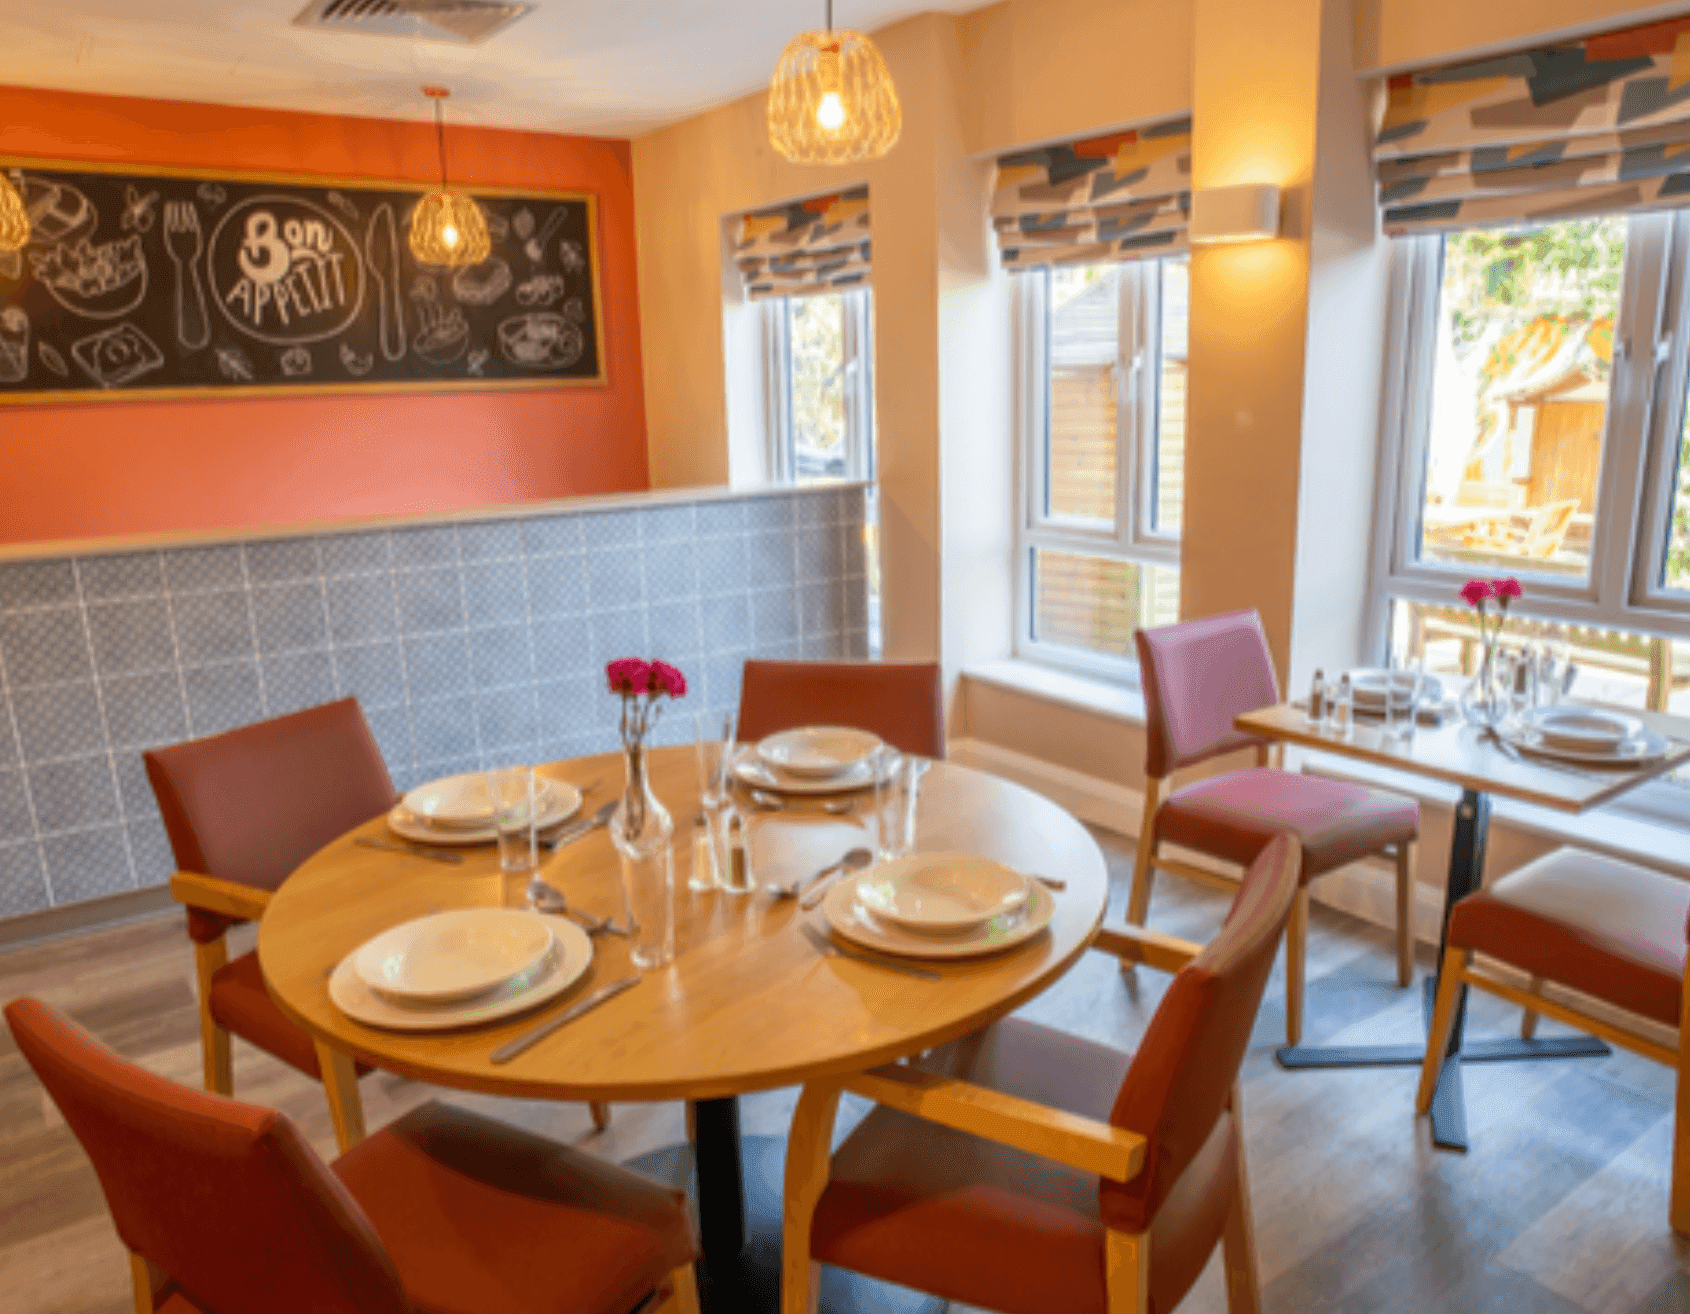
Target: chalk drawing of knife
{"type": "Point", "coordinates": [381, 252]}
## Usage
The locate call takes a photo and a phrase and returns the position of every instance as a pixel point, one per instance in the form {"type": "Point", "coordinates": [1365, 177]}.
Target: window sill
{"type": "Point", "coordinates": [1087, 693]}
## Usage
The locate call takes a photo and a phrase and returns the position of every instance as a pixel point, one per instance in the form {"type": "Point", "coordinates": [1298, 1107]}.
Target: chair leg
{"type": "Point", "coordinates": [1126, 1272]}
{"type": "Point", "coordinates": [143, 1279]}
{"type": "Point", "coordinates": [1405, 913]}
{"type": "Point", "coordinates": [601, 1114]}
{"type": "Point", "coordinates": [1238, 1241]}
{"type": "Point", "coordinates": [692, 1123]}
{"type": "Point", "coordinates": [340, 1084]}
{"type": "Point", "coordinates": [809, 1149]}
{"type": "Point", "coordinates": [1443, 1018]}
{"type": "Point", "coordinates": [214, 1040]}
{"type": "Point", "coordinates": [1528, 1019]}
{"type": "Point", "coordinates": [1144, 871]}
{"type": "Point", "coordinates": [1296, 947]}
{"type": "Point", "coordinates": [1680, 1206]}
{"type": "Point", "coordinates": [683, 1292]}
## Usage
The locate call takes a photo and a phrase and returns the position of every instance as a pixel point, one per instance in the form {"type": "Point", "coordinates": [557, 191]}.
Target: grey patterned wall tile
{"type": "Point", "coordinates": [203, 570]}
{"type": "Point", "coordinates": [131, 636]}
{"type": "Point", "coordinates": [666, 524]}
{"type": "Point", "coordinates": [372, 673]}
{"type": "Point", "coordinates": [821, 607]}
{"type": "Point", "coordinates": [789, 650]}
{"type": "Point", "coordinates": [145, 709]}
{"type": "Point", "coordinates": [562, 647]}
{"type": "Point", "coordinates": [282, 559]}
{"type": "Point", "coordinates": [495, 593]}
{"type": "Point", "coordinates": [87, 864]}
{"type": "Point", "coordinates": [297, 680]}
{"type": "Point", "coordinates": [557, 586]}
{"type": "Point", "coordinates": [443, 728]}
{"type": "Point", "coordinates": [568, 706]}
{"type": "Point", "coordinates": [125, 575]}
{"type": "Point", "coordinates": [73, 794]}
{"type": "Point", "coordinates": [500, 656]}
{"type": "Point", "coordinates": [816, 508]}
{"type": "Point", "coordinates": [609, 529]}
{"type": "Point", "coordinates": [616, 634]}
{"type": "Point", "coordinates": [40, 647]}
{"type": "Point", "coordinates": [354, 554]}
{"type": "Point", "coordinates": [8, 741]}
{"type": "Point", "coordinates": [212, 627]}
{"type": "Point", "coordinates": [134, 790]}
{"type": "Point", "coordinates": [820, 647]}
{"type": "Point", "coordinates": [497, 538]}
{"type": "Point", "coordinates": [437, 665]}
{"type": "Point", "coordinates": [774, 616]}
{"type": "Point", "coordinates": [855, 645]}
{"type": "Point", "coordinates": [722, 565]}
{"type": "Point", "coordinates": [770, 560]}
{"type": "Point", "coordinates": [551, 536]}
{"type": "Point", "coordinates": [458, 765]}
{"type": "Point", "coordinates": [506, 718]}
{"type": "Point", "coordinates": [424, 547]}
{"type": "Point", "coordinates": [149, 850]}
{"type": "Point", "coordinates": [23, 881]}
{"type": "Point", "coordinates": [715, 518]}
{"type": "Point", "coordinates": [614, 579]}
{"type": "Point", "coordinates": [819, 553]}
{"type": "Point", "coordinates": [725, 622]}
{"type": "Point", "coordinates": [392, 728]}
{"type": "Point", "coordinates": [37, 584]}
{"type": "Point", "coordinates": [58, 720]}
{"type": "Point", "coordinates": [289, 617]}
{"type": "Point", "coordinates": [222, 697]}
{"type": "Point", "coordinates": [15, 819]}
{"type": "Point", "coordinates": [853, 551]}
{"type": "Point", "coordinates": [851, 505]}
{"type": "Point", "coordinates": [362, 607]}
{"type": "Point", "coordinates": [671, 571]}
{"type": "Point", "coordinates": [772, 512]}
{"type": "Point", "coordinates": [856, 605]}
{"type": "Point", "coordinates": [722, 676]}
{"type": "Point", "coordinates": [672, 630]}
{"type": "Point", "coordinates": [430, 600]}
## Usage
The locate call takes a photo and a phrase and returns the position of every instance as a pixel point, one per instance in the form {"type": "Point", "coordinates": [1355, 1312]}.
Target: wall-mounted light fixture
{"type": "Point", "coordinates": [14, 219]}
{"type": "Point", "coordinates": [1247, 213]}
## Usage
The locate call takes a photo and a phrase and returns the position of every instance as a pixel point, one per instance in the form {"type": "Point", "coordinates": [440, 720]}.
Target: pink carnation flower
{"type": "Point", "coordinates": [666, 679]}
{"type": "Point", "coordinates": [1475, 591]}
{"type": "Point", "coordinates": [1503, 589]}
{"type": "Point", "coordinates": [629, 675]}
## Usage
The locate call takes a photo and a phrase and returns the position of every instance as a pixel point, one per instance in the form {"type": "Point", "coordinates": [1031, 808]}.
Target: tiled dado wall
{"type": "Point", "coordinates": [467, 645]}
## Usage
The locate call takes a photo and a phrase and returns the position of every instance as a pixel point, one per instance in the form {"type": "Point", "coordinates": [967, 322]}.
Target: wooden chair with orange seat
{"type": "Point", "coordinates": [244, 809]}
{"type": "Point", "coordinates": [224, 1206]}
{"type": "Point", "coordinates": [1027, 1170]}
{"type": "Point", "coordinates": [1608, 929]}
{"type": "Point", "coordinates": [899, 701]}
{"type": "Point", "coordinates": [1197, 677]}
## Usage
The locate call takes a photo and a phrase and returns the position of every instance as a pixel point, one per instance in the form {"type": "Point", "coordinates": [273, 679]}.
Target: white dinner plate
{"type": "Point", "coordinates": [452, 955]}
{"type": "Point", "coordinates": [1640, 750]}
{"type": "Point", "coordinates": [571, 956]}
{"type": "Point", "coordinates": [818, 751]}
{"type": "Point", "coordinates": [463, 802]}
{"type": "Point", "coordinates": [1583, 729]}
{"type": "Point", "coordinates": [1368, 685]}
{"type": "Point", "coordinates": [563, 801]}
{"type": "Point", "coordinates": [940, 893]}
{"type": "Point", "coordinates": [851, 921]}
{"type": "Point", "coordinates": [752, 770]}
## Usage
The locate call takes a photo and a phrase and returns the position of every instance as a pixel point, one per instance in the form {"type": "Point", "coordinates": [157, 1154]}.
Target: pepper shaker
{"type": "Point", "coordinates": [1317, 699]}
{"type": "Point", "coordinates": [1342, 707]}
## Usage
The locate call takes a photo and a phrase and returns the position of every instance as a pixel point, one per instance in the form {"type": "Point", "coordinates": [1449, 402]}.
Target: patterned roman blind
{"type": "Point", "coordinates": [1583, 127]}
{"type": "Point", "coordinates": [1116, 197]}
{"type": "Point", "coordinates": [818, 245]}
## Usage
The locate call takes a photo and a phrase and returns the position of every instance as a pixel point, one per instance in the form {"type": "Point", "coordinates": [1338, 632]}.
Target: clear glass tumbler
{"type": "Point", "coordinates": [714, 751]}
{"type": "Point", "coordinates": [511, 791]}
{"type": "Point", "coordinates": [896, 803]}
{"type": "Point", "coordinates": [1402, 698]}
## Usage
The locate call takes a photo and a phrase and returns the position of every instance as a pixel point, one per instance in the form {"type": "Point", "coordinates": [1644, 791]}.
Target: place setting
{"type": "Point", "coordinates": [460, 810]}
{"type": "Point", "coordinates": [814, 762]}
{"type": "Point", "coordinates": [1583, 737]}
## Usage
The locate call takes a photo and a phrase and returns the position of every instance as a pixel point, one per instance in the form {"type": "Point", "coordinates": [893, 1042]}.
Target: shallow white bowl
{"type": "Point", "coordinates": [453, 955]}
{"type": "Point", "coordinates": [940, 893]}
{"type": "Point", "coordinates": [818, 750]}
{"type": "Point", "coordinates": [1583, 728]}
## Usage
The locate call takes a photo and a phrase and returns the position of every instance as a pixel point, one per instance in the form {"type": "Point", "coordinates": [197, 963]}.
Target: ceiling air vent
{"type": "Point", "coordinates": [462, 22]}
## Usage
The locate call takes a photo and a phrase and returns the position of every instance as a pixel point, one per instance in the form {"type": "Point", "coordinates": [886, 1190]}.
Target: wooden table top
{"type": "Point", "coordinates": [1461, 754]}
{"type": "Point", "coordinates": [749, 1002]}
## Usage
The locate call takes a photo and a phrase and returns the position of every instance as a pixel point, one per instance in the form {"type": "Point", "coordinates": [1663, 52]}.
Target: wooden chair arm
{"type": "Point", "coordinates": [230, 898]}
{"type": "Point", "coordinates": [1166, 953]}
{"type": "Point", "coordinates": [1079, 1142]}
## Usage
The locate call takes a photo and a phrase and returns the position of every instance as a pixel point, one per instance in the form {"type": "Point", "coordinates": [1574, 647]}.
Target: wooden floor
{"type": "Point", "coordinates": [1560, 1206]}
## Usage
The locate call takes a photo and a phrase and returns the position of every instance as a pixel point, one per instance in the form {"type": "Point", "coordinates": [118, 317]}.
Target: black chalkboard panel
{"type": "Point", "coordinates": [142, 284]}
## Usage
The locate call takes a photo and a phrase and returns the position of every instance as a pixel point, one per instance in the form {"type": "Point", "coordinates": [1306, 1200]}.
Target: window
{"type": "Point", "coordinates": [1102, 369]}
{"type": "Point", "coordinates": [819, 393]}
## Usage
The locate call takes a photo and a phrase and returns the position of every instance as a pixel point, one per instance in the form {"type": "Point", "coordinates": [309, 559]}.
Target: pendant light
{"type": "Point", "coordinates": [447, 227]}
{"type": "Point", "coordinates": [831, 100]}
{"type": "Point", "coordinates": [14, 219]}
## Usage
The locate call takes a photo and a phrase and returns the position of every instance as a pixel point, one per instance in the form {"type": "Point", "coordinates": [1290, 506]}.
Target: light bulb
{"type": "Point", "coordinates": [449, 235]}
{"type": "Point", "coordinates": [830, 113]}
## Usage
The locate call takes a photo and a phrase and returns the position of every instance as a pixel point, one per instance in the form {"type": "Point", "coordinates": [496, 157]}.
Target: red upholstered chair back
{"type": "Point", "coordinates": [1180, 1082]}
{"type": "Point", "coordinates": [1198, 675]}
{"type": "Point", "coordinates": [899, 701]}
{"type": "Point", "coordinates": [227, 1199]}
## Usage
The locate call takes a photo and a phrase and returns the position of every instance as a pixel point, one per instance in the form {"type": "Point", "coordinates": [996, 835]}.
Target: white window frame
{"type": "Point", "coordinates": [780, 452]}
{"type": "Point", "coordinates": [1133, 537]}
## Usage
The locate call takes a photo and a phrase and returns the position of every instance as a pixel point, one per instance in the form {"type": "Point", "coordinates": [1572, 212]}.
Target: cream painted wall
{"type": "Point", "coordinates": [1400, 34]}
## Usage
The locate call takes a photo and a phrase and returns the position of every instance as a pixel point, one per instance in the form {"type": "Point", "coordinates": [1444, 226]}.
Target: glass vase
{"type": "Point", "coordinates": [642, 830]}
{"type": "Point", "coordinates": [1484, 702]}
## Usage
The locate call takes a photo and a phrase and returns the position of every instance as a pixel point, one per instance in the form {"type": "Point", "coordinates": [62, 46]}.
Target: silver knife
{"type": "Point", "coordinates": [828, 945]}
{"type": "Point", "coordinates": [415, 850]}
{"type": "Point", "coordinates": [578, 829]}
{"type": "Point", "coordinates": [505, 1053]}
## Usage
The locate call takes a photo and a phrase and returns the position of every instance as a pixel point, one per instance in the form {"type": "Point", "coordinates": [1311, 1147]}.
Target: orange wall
{"type": "Point", "coordinates": [78, 471]}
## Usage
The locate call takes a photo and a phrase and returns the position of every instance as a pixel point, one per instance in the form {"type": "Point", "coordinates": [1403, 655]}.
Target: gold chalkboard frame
{"type": "Point", "coordinates": [100, 396]}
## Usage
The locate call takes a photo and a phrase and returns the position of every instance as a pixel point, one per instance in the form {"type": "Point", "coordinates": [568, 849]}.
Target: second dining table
{"type": "Point", "coordinates": [749, 1003]}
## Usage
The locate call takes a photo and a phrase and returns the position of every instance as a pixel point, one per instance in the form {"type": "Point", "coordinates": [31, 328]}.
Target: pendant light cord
{"type": "Point", "coordinates": [440, 138]}
{"type": "Point", "coordinates": [830, 15]}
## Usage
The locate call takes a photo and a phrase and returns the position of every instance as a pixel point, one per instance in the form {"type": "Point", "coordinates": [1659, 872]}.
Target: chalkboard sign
{"type": "Point", "coordinates": [139, 284]}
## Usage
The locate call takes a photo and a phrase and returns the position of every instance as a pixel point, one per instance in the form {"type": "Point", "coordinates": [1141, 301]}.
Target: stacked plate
{"type": "Point", "coordinates": [459, 809]}
{"type": "Point", "coordinates": [1586, 736]}
{"type": "Point", "coordinates": [938, 905]}
{"type": "Point", "coordinates": [459, 968]}
{"type": "Point", "coordinates": [817, 759]}
{"type": "Point", "coordinates": [1369, 686]}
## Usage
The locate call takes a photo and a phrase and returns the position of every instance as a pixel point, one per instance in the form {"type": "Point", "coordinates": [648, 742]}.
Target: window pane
{"type": "Point", "coordinates": [1525, 337]}
{"type": "Point", "coordinates": [816, 332]}
{"type": "Point", "coordinates": [1085, 329]}
{"type": "Point", "coordinates": [1168, 499]}
{"type": "Point", "coordinates": [1095, 603]}
{"type": "Point", "coordinates": [1678, 533]}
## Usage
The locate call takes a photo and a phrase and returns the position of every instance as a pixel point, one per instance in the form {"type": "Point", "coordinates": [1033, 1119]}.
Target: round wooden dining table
{"type": "Point", "coordinates": [750, 1002]}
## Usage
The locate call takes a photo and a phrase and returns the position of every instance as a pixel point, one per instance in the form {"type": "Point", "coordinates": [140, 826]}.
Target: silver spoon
{"type": "Point", "coordinates": [838, 807]}
{"type": "Point", "coordinates": [854, 860]}
{"type": "Point", "coordinates": [546, 898]}
{"type": "Point", "coordinates": [792, 889]}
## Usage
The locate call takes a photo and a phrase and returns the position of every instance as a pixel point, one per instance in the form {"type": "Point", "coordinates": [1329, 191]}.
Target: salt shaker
{"type": "Point", "coordinates": [1343, 707]}
{"type": "Point", "coordinates": [1317, 699]}
{"type": "Point", "coordinates": [739, 858]}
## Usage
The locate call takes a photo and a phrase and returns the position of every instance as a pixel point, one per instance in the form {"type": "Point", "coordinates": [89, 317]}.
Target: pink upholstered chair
{"type": "Point", "coordinates": [1197, 676]}
{"type": "Point", "coordinates": [1608, 929]}
{"type": "Point", "coordinates": [1027, 1170]}
{"type": "Point", "coordinates": [224, 1207]}
{"type": "Point", "coordinates": [899, 701]}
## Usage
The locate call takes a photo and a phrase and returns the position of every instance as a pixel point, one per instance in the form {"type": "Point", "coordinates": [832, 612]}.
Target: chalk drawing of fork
{"type": "Point", "coordinates": [182, 241]}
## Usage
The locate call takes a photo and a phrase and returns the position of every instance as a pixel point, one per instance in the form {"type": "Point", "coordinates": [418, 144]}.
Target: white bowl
{"type": "Point", "coordinates": [464, 802]}
{"type": "Point", "coordinates": [1368, 685]}
{"type": "Point", "coordinates": [1583, 728]}
{"type": "Point", "coordinates": [940, 893]}
{"type": "Point", "coordinates": [818, 750]}
{"type": "Point", "coordinates": [453, 955]}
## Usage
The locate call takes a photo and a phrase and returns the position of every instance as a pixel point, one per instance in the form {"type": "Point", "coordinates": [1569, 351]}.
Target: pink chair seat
{"type": "Point", "coordinates": [1234, 816]}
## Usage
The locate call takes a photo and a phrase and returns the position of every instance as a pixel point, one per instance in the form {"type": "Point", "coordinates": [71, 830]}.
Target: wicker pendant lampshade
{"type": "Point", "coordinates": [447, 227]}
{"type": "Point", "coordinates": [831, 100]}
{"type": "Point", "coordinates": [14, 219]}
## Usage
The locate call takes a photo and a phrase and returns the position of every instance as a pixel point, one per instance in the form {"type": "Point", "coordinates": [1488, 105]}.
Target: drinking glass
{"type": "Point", "coordinates": [511, 791]}
{"type": "Point", "coordinates": [1402, 697]}
{"type": "Point", "coordinates": [713, 756]}
{"type": "Point", "coordinates": [896, 797]}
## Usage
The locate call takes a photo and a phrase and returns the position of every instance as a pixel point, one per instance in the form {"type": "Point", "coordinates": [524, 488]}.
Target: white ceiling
{"type": "Point", "coordinates": [601, 67]}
